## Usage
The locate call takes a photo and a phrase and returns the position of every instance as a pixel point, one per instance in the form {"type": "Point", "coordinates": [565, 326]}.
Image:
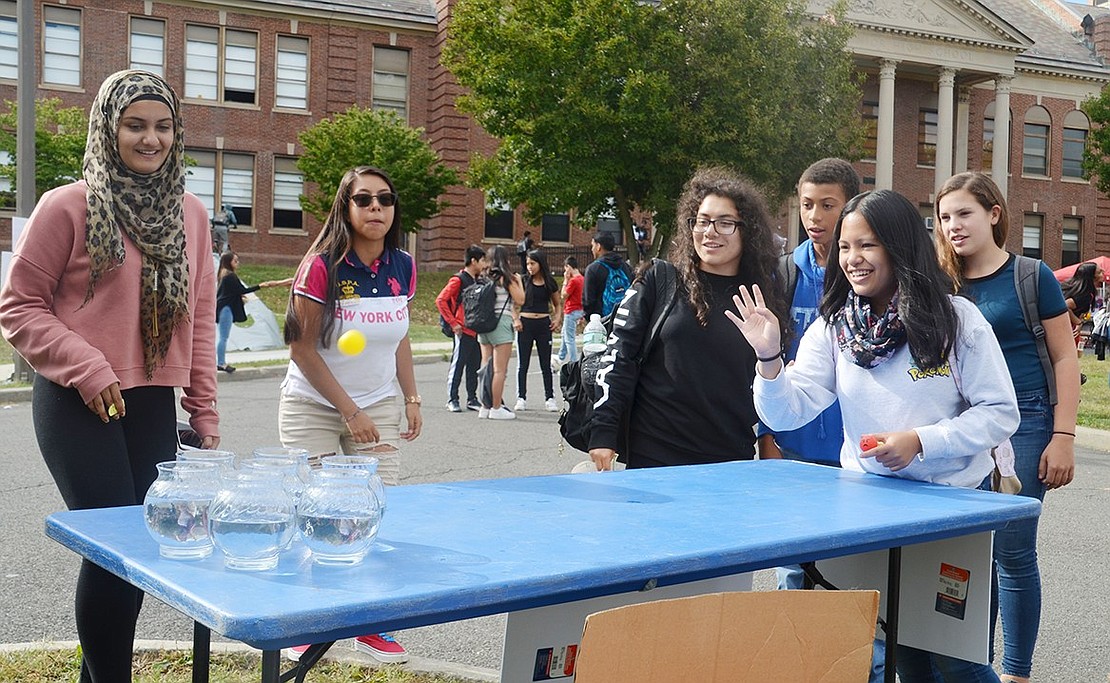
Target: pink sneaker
{"type": "Point", "coordinates": [382, 647]}
{"type": "Point", "coordinates": [294, 653]}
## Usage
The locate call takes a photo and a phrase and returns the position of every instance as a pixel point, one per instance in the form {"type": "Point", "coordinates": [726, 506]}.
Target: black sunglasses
{"type": "Point", "coordinates": [364, 200]}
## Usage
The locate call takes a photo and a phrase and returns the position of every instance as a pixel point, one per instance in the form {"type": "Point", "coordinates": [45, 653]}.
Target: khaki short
{"type": "Point", "coordinates": [304, 423]}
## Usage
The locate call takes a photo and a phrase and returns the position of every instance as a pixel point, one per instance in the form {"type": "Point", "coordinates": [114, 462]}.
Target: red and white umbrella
{"type": "Point", "coordinates": [1102, 262]}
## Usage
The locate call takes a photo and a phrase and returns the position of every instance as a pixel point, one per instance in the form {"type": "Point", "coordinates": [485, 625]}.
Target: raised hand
{"type": "Point", "coordinates": [756, 322]}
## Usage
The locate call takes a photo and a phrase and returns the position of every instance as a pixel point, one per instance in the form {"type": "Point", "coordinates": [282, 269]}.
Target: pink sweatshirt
{"type": "Point", "coordinates": [90, 347]}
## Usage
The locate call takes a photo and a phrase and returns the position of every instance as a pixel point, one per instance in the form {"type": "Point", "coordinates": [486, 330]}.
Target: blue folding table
{"type": "Point", "coordinates": [459, 550]}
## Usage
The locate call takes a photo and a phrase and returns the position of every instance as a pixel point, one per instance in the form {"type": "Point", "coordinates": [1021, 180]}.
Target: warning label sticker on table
{"type": "Point", "coordinates": [557, 662]}
{"type": "Point", "coordinates": [952, 591]}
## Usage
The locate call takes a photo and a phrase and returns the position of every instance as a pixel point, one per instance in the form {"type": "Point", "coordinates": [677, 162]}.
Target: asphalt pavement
{"type": "Point", "coordinates": [38, 576]}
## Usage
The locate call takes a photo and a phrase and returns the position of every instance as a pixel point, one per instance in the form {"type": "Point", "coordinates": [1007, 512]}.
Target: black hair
{"type": "Point", "coordinates": [924, 304]}
{"type": "Point", "coordinates": [571, 261]}
{"type": "Point", "coordinates": [833, 171]}
{"type": "Point", "coordinates": [758, 256]}
{"type": "Point", "coordinates": [540, 258]}
{"type": "Point", "coordinates": [473, 253]}
{"type": "Point", "coordinates": [499, 269]}
{"type": "Point", "coordinates": [605, 241]}
{"type": "Point", "coordinates": [1081, 283]}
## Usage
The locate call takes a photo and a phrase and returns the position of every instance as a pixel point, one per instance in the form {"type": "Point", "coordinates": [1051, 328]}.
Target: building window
{"type": "Point", "coordinates": [555, 227]}
{"type": "Point", "coordinates": [1071, 239]}
{"type": "Point", "coordinates": [1031, 235]}
{"type": "Point", "coordinates": [607, 222]}
{"type": "Point", "coordinates": [1076, 125]}
{"type": "Point", "coordinates": [1074, 143]}
{"type": "Point", "coordinates": [390, 89]}
{"type": "Point", "coordinates": [1034, 149]}
{"type": "Point", "coordinates": [291, 73]}
{"type": "Point", "coordinates": [499, 221]}
{"type": "Point", "coordinates": [221, 64]}
{"type": "Point", "coordinates": [9, 41]}
{"type": "Point", "coordinates": [871, 126]}
{"type": "Point", "coordinates": [223, 178]}
{"type": "Point", "coordinates": [61, 46]}
{"type": "Point", "coordinates": [148, 45]}
{"type": "Point", "coordinates": [288, 188]}
{"type": "Point", "coordinates": [927, 137]}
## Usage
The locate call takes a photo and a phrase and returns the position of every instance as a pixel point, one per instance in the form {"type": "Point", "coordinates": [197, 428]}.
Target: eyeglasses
{"type": "Point", "coordinates": [723, 226]}
{"type": "Point", "coordinates": [364, 200]}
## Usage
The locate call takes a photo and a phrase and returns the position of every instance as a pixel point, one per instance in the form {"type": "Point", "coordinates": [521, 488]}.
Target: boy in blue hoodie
{"type": "Point", "coordinates": [823, 190]}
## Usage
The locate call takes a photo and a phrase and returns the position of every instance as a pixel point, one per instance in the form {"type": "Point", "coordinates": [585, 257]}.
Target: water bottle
{"type": "Point", "coordinates": [593, 337]}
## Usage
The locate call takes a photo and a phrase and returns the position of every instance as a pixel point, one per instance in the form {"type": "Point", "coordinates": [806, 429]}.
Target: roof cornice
{"type": "Point", "coordinates": [324, 11]}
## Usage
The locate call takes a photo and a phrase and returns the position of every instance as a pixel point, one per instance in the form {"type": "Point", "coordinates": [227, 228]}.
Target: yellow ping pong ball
{"type": "Point", "coordinates": [351, 342]}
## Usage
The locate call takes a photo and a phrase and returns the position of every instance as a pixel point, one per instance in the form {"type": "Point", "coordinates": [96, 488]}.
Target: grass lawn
{"type": "Point", "coordinates": [50, 666]}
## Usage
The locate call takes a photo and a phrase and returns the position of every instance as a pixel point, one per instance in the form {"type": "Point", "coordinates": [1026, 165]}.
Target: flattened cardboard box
{"type": "Point", "coordinates": [757, 637]}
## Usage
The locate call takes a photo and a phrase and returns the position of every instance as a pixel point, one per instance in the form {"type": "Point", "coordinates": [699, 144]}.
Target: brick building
{"type": "Point", "coordinates": [944, 80]}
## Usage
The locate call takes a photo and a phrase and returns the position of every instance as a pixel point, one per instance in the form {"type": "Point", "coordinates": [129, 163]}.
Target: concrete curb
{"type": "Point", "coordinates": [339, 653]}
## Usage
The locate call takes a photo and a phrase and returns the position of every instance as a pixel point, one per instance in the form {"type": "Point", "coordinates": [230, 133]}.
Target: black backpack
{"type": "Point", "coordinates": [479, 302]}
{"type": "Point", "coordinates": [577, 379]}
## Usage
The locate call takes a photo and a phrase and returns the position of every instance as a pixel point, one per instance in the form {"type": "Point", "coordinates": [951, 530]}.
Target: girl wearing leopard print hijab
{"type": "Point", "coordinates": [111, 298]}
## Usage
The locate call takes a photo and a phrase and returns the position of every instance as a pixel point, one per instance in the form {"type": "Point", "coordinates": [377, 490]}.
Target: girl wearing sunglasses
{"type": "Point", "coordinates": [354, 280]}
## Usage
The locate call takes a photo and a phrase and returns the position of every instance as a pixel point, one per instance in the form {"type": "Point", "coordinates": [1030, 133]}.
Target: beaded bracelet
{"type": "Point", "coordinates": [352, 416]}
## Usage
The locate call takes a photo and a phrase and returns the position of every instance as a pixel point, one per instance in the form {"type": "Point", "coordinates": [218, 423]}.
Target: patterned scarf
{"type": "Point", "coordinates": [865, 338]}
{"type": "Point", "coordinates": [148, 209]}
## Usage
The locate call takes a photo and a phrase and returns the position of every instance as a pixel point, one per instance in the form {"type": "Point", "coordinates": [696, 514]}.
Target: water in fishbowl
{"type": "Point", "coordinates": [338, 540]}
{"type": "Point", "coordinates": [252, 544]}
{"type": "Point", "coordinates": [180, 527]}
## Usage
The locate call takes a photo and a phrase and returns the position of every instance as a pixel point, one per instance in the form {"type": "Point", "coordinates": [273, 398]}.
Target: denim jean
{"type": "Point", "coordinates": [223, 325]}
{"type": "Point", "coordinates": [1018, 589]}
{"type": "Point", "coordinates": [568, 351]}
{"type": "Point", "coordinates": [919, 666]}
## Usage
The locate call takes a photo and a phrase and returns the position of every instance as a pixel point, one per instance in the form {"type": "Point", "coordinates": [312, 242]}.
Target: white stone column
{"type": "Point", "coordinates": [884, 153]}
{"type": "Point", "coordinates": [1000, 163]}
{"type": "Point", "coordinates": [945, 120]}
{"type": "Point", "coordinates": [963, 110]}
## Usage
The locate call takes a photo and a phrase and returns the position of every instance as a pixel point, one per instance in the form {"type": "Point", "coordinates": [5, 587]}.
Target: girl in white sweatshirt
{"type": "Point", "coordinates": [917, 371]}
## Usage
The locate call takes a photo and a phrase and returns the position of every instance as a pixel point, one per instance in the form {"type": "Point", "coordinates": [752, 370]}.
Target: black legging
{"type": "Point", "coordinates": [534, 331]}
{"type": "Point", "coordinates": [97, 465]}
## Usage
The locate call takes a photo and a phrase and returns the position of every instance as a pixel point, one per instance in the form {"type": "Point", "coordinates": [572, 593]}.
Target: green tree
{"type": "Point", "coordinates": [60, 134]}
{"type": "Point", "coordinates": [377, 138]}
{"type": "Point", "coordinates": [1096, 155]}
{"type": "Point", "coordinates": [609, 105]}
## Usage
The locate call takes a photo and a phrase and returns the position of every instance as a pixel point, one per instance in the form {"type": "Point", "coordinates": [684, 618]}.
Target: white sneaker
{"type": "Point", "coordinates": [551, 406]}
{"type": "Point", "coordinates": [483, 413]}
{"type": "Point", "coordinates": [556, 363]}
{"type": "Point", "coordinates": [521, 404]}
{"type": "Point", "coordinates": [501, 413]}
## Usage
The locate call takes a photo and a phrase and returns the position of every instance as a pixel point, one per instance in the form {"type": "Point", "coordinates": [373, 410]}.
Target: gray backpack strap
{"type": "Point", "coordinates": [1027, 276]}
